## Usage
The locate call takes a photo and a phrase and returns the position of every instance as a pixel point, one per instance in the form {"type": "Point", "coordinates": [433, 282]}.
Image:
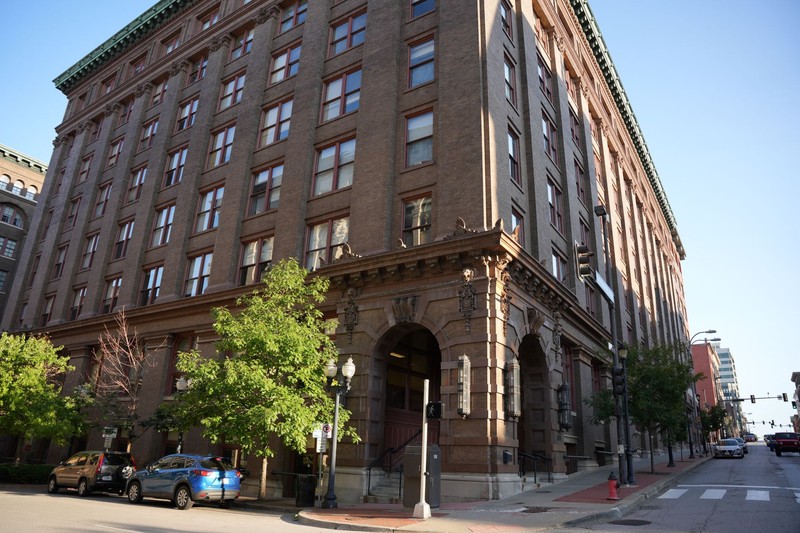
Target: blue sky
{"type": "Point", "coordinates": [714, 86]}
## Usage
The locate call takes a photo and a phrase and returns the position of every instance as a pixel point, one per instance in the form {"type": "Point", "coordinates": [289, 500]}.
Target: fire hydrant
{"type": "Point", "coordinates": [612, 487]}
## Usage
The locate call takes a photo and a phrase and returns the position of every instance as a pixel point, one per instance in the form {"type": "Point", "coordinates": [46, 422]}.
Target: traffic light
{"type": "Point", "coordinates": [434, 410]}
{"type": "Point", "coordinates": [752, 398]}
{"type": "Point", "coordinates": [582, 255]}
{"type": "Point", "coordinates": [618, 381]}
{"type": "Point", "coordinates": [794, 404]}
{"type": "Point", "coordinates": [785, 398]}
{"type": "Point", "coordinates": [772, 423]}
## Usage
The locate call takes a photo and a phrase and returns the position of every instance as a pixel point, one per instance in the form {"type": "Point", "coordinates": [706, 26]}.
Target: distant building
{"type": "Point", "coordinates": [21, 179]}
{"type": "Point", "coordinates": [795, 418]}
{"type": "Point", "coordinates": [438, 161]}
{"type": "Point", "coordinates": [729, 383]}
{"type": "Point", "coordinates": [707, 361]}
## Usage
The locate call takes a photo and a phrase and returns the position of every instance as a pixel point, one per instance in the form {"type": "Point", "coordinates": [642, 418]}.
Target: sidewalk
{"type": "Point", "coordinates": [579, 499]}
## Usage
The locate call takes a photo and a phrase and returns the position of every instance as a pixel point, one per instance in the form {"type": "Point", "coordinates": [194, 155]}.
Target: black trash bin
{"type": "Point", "coordinates": [306, 488]}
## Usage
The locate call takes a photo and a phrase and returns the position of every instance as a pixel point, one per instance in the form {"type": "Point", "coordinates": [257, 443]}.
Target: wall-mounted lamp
{"type": "Point", "coordinates": [513, 396]}
{"type": "Point", "coordinates": [564, 407]}
{"type": "Point", "coordinates": [464, 379]}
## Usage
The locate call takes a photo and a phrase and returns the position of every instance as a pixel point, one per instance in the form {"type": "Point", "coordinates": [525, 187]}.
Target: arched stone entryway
{"type": "Point", "coordinates": [536, 420]}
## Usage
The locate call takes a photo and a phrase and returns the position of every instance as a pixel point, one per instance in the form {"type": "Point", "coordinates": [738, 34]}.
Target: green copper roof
{"type": "Point", "coordinates": [122, 40]}
{"type": "Point", "coordinates": [603, 58]}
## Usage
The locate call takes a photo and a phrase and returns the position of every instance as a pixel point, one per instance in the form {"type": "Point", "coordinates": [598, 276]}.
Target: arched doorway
{"type": "Point", "coordinates": [535, 422]}
{"type": "Point", "coordinates": [411, 356]}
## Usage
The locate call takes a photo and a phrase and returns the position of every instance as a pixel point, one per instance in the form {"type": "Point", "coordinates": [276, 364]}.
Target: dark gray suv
{"type": "Point", "coordinates": [89, 471]}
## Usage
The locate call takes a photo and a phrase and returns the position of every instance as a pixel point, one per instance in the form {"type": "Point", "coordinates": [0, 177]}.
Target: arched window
{"type": "Point", "coordinates": [11, 215]}
{"type": "Point", "coordinates": [31, 191]}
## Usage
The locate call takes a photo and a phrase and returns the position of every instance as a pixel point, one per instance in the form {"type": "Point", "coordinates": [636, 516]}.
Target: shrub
{"type": "Point", "coordinates": [10, 473]}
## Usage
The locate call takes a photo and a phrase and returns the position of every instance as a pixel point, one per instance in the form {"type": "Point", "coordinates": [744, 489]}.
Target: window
{"type": "Point", "coordinates": [417, 221]}
{"type": "Point", "coordinates": [232, 91]}
{"type": "Point", "coordinates": [78, 297]}
{"type": "Point", "coordinates": [559, 266]}
{"type": "Point", "coordinates": [293, 15]}
{"type": "Point", "coordinates": [171, 43]}
{"type": "Point", "coordinates": [115, 152]}
{"type": "Point", "coordinates": [589, 294]}
{"type": "Point", "coordinates": [208, 20]}
{"type": "Point", "coordinates": [47, 311]}
{"type": "Point", "coordinates": [108, 84]}
{"type": "Point", "coordinates": [124, 234]}
{"type": "Point", "coordinates": [59, 180]}
{"type": "Point", "coordinates": [151, 285]}
{"type": "Point", "coordinates": [126, 108]}
{"type": "Point", "coordinates": [335, 167]}
{"type": "Point", "coordinates": [103, 195]}
{"type": "Point", "coordinates": [545, 78]}
{"type": "Point", "coordinates": [348, 34]}
{"type": "Point", "coordinates": [582, 184]}
{"type": "Point", "coordinates": [48, 219]}
{"type": "Point", "coordinates": [506, 15]}
{"type": "Point", "coordinates": [136, 66]}
{"type": "Point", "coordinates": [585, 232]}
{"type": "Point", "coordinates": [197, 277]}
{"type": "Point", "coordinates": [89, 249]}
{"type": "Point", "coordinates": [148, 132]}
{"type": "Point", "coordinates": [96, 127]}
{"type": "Point", "coordinates": [176, 161]}
{"type": "Point", "coordinates": [3, 277]}
{"type": "Point", "coordinates": [549, 135]}
{"type": "Point", "coordinates": [419, 139]}
{"type": "Point", "coordinates": [266, 192]}
{"type": "Point", "coordinates": [208, 212]}
{"type": "Point", "coordinates": [420, 63]}
{"type": "Point", "coordinates": [554, 201]}
{"type": "Point", "coordinates": [86, 164]}
{"type": "Point", "coordinates": [221, 146]}
{"type": "Point", "coordinates": [420, 7]}
{"type": "Point", "coordinates": [72, 214]}
{"type": "Point", "coordinates": [10, 215]}
{"type": "Point", "coordinates": [510, 77]}
{"type": "Point", "coordinates": [284, 64]}
{"type": "Point", "coordinates": [513, 157]}
{"type": "Point", "coordinates": [7, 247]}
{"type": "Point", "coordinates": [159, 92]}
{"type": "Point", "coordinates": [342, 95]}
{"type": "Point", "coordinates": [575, 128]}
{"type": "Point", "coordinates": [517, 226]}
{"type": "Point", "coordinates": [162, 227]}
{"type": "Point", "coordinates": [256, 259]}
{"type": "Point", "coordinates": [58, 265]}
{"type": "Point", "coordinates": [112, 293]}
{"type": "Point", "coordinates": [137, 181]}
{"type": "Point", "coordinates": [198, 69]}
{"type": "Point", "coordinates": [275, 126]}
{"type": "Point", "coordinates": [325, 241]}
{"type": "Point", "coordinates": [187, 114]}
{"type": "Point", "coordinates": [243, 43]}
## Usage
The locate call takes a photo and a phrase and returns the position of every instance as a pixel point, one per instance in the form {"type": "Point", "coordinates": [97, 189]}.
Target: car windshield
{"type": "Point", "coordinates": [215, 463]}
{"type": "Point", "coordinates": [729, 442]}
{"type": "Point", "coordinates": [117, 459]}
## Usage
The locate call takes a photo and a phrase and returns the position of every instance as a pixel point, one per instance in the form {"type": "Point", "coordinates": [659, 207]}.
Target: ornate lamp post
{"type": "Point", "coordinates": [181, 384]}
{"type": "Point", "coordinates": [342, 377]}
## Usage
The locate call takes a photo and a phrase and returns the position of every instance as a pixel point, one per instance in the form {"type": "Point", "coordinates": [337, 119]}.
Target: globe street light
{"type": "Point", "coordinates": [342, 377]}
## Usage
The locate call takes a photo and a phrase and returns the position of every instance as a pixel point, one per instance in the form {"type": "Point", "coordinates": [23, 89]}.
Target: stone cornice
{"type": "Point", "coordinates": [22, 160]}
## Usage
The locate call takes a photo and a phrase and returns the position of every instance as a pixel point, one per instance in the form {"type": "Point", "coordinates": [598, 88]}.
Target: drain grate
{"type": "Point", "coordinates": [536, 509]}
{"type": "Point", "coordinates": [630, 522]}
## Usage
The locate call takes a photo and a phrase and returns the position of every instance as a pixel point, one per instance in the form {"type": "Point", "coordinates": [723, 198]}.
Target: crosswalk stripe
{"type": "Point", "coordinates": [797, 497]}
{"type": "Point", "coordinates": [713, 494]}
{"type": "Point", "coordinates": [673, 494]}
{"type": "Point", "coordinates": [758, 495]}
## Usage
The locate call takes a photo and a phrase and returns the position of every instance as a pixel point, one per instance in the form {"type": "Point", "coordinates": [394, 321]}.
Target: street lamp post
{"type": "Point", "coordinates": [623, 356]}
{"type": "Point", "coordinates": [181, 384]}
{"type": "Point", "coordinates": [342, 377]}
{"type": "Point", "coordinates": [695, 406]}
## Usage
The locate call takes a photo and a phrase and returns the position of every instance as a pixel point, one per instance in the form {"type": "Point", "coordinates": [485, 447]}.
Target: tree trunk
{"type": "Point", "coordinates": [262, 485]}
{"type": "Point", "coordinates": [652, 458]}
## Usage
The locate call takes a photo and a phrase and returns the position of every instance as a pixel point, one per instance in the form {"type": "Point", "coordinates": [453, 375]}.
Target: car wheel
{"type": "Point", "coordinates": [52, 485]}
{"type": "Point", "coordinates": [183, 498]}
{"type": "Point", "coordinates": [135, 493]}
{"type": "Point", "coordinates": [777, 452]}
{"type": "Point", "coordinates": [225, 504]}
{"type": "Point", "coordinates": [83, 487]}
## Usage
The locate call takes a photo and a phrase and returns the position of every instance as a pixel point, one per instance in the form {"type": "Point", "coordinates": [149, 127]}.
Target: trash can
{"type": "Point", "coordinates": [306, 490]}
{"type": "Point", "coordinates": [412, 463]}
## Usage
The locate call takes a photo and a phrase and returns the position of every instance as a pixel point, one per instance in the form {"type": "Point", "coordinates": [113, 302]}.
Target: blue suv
{"type": "Point", "coordinates": [186, 479]}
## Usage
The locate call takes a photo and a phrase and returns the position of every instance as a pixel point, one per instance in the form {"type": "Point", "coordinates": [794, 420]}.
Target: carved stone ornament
{"type": "Point", "coordinates": [466, 297]}
{"type": "Point", "coordinates": [505, 308]}
{"type": "Point", "coordinates": [557, 337]}
{"type": "Point", "coordinates": [535, 321]}
{"type": "Point", "coordinates": [112, 109]}
{"type": "Point", "coordinates": [404, 308]}
{"type": "Point", "coordinates": [347, 253]}
{"type": "Point", "coordinates": [143, 88]}
{"type": "Point", "coordinates": [178, 67]}
{"type": "Point", "coordinates": [266, 13]}
{"type": "Point", "coordinates": [218, 42]}
{"type": "Point", "coordinates": [350, 314]}
{"type": "Point", "coordinates": [84, 126]}
{"type": "Point", "coordinates": [461, 229]}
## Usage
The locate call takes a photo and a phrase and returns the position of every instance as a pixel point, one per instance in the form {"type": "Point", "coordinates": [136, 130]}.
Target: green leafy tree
{"type": "Point", "coordinates": [270, 382]}
{"type": "Point", "coordinates": [31, 403]}
{"type": "Point", "coordinates": [602, 407]}
{"type": "Point", "coordinates": [713, 419]}
{"type": "Point", "coordinates": [657, 384]}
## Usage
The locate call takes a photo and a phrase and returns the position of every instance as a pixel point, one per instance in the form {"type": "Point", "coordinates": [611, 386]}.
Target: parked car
{"type": "Point", "coordinates": [750, 437]}
{"type": "Point", "coordinates": [786, 442]}
{"type": "Point", "coordinates": [742, 443]}
{"type": "Point", "coordinates": [769, 439]}
{"type": "Point", "coordinates": [186, 479]}
{"type": "Point", "coordinates": [728, 448]}
{"type": "Point", "coordinates": [102, 471]}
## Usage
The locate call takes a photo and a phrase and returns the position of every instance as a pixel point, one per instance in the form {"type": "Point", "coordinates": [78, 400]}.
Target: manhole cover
{"type": "Point", "coordinates": [536, 509]}
{"type": "Point", "coordinates": [630, 522]}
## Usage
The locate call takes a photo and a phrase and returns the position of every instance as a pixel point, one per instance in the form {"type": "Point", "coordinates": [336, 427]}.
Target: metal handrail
{"type": "Point", "coordinates": [390, 452]}
{"type": "Point", "coordinates": [521, 456]}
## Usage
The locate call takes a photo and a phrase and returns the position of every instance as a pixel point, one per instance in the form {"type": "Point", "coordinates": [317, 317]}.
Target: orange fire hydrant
{"type": "Point", "coordinates": [612, 487]}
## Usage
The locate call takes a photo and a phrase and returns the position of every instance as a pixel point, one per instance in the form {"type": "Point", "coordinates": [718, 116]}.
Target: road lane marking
{"type": "Point", "coordinates": [758, 495]}
{"type": "Point", "coordinates": [673, 494]}
{"type": "Point", "coordinates": [713, 494]}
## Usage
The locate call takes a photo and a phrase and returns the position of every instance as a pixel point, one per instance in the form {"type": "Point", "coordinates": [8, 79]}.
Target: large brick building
{"type": "Point", "coordinates": [438, 160]}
